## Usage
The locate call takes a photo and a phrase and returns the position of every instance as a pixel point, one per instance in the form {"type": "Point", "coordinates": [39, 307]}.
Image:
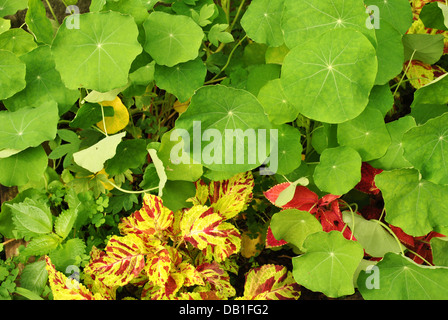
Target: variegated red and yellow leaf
{"type": "Point", "coordinates": [122, 261]}
{"type": "Point", "coordinates": [192, 276]}
{"type": "Point", "coordinates": [201, 195]}
{"type": "Point", "coordinates": [202, 227]}
{"type": "Point", "coordinates": [217, 278]}
{"type": "Point", "coordinates": [422, 73]}
{"type": "Point", "coordinates": [65, 289]}
{"type": "Point", "coordinates": [173, 284]}
{"type": "Point", "coordinates": [270, 282]}
{"type": "Point", "coordinates": [206, 295]}
{"type": "Point", "coordinates": [230, 197]}
{"type": "Point", "coordinates": [231, 245]}
{"type": "Point", "coordinates": [160, 263]}
{"type": "Point", "coordinates": [271, 242]}
{"type": "Point", "coordinates": [152, 219]}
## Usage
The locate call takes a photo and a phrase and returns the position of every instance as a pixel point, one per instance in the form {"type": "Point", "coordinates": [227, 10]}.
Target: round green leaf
{"type": "Point", "coordinates": [426, 147]}
{"type": "Point", "coordinates": [415, 205]}
{"type": "Point", "coordinates": [260, 75]}
{"type": "Point", "coordinates": [43, 83]}
{"type": "Point", "coordinates": [12, 74]}
{"type": "Point", "coordinates": [339, 170]}
{"type": "Point", "coordinates": [426, 48]}
{"type": "Point", "coordinates": [5, 24]}
{"type": "Point", "coordinates": [397, 277]}
{"type": "Point", "coordinates": [225, 126]}
{"type": "Point", "coordinates": [99, 54]}
{"type": "Point", "coordinates": [21, 168]}
{"type": "Point", "coordinates": [262, 21]}
{"type": "Point", "coordinates": [439, 247]}
{"type": "Point", "coordinates": [390, 53]}
{"type": "Point", "coordinates": [172, 39]}
{"type": "Point", "coordinates": [398, 13]}
{"type": "Point", "coordinates": [367, 134]}
{"type": "Point", "coordinates": [135, 8]}
{"type": "Point", "coordinates": [181, 80]}
{"type": "Point", "coordinates": [305, 20]}
{"type": "Point", "coordinates": [275, 103]}
{"type": "Point", "coordinates": [10, 7]}
{"type": "Point", "coordinates": [18, 41]}
{"type": "Point", "coordinates": [329, 263]}
{"type": "Point", "coordinates": [330, 78]}
{"type": "Point", "coordinates": [294, 226]}
{"type": "Point", "coordinates": [393, 158]}
{"type": "Point", "coordinates": [28, 127]}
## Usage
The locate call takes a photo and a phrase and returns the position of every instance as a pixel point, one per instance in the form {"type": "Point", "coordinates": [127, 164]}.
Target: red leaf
{"type": "Point", "coordinates": [402, 236]}
{"type": "Point", "coordinates": [367, 183]}
{"type": "Point", "coordinates": [271, 242]}
{"type": "Point", "coordinates": [332, 220]}
{"type": "Point", "coordinates": [304, 199]}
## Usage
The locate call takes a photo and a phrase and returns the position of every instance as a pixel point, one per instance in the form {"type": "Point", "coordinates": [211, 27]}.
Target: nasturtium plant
{"type": "Point", "coordinates": [237, 150]}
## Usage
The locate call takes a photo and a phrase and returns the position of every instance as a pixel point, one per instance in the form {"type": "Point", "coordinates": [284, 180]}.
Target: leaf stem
{"type": "Point", "coordinates": [104, 120]}
{"type": "Point", "coordinates": [404, 74]}
{"type": "Point", "coordinates": [229, 58]}
{"type": "Point", "coordinates": [393, 234]}
{"type": "Point", "coordinates": [52, 12]}
{"type": "Point", "coordinates": [129, 191]}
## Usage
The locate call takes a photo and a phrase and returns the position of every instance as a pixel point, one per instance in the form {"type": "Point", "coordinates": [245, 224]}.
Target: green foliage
{"type": "Point", "coordinates": [347, 100]}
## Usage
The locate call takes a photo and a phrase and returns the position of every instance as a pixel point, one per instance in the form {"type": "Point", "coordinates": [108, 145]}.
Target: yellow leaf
{"type": "Point", "coordinates": [181, 106]}
{"type": "Point", "coordinates": [249, 245]}
{"type": "Point", "coordinates": [120, 119]}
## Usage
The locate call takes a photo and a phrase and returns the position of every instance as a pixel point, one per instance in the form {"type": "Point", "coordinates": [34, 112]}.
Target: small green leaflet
{"type": "Point", "coordinates": [93, 158]}
{"type": "Point", "coordinates": [397, 277]}
{"type": "Point", "coordinates": [288, 194]}
{"type": "Point", "coordinates": [218, 34]}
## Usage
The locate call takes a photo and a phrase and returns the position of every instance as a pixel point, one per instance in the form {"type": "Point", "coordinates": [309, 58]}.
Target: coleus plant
{"type": "Point", "coordinates": [178, 255]}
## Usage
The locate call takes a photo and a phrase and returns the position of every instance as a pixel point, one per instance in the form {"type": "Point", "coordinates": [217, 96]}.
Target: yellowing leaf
{"type": "Point", "coordinates": [120, 119]}
{"type": "Point", "coordinates": [270, 282]}
{"type": "Point", "coordinates": [249, 246]}
{"type": "Point", "coordinates": [65, 289]}
{"type": "Point", "coordinates": [181, 106]}
{"type": "Point", "coordinates": [153, 219]}
{"type": "Point", "coordinates": [122, 261]}
{"type": "Point", "coordinates": [421, 73]}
